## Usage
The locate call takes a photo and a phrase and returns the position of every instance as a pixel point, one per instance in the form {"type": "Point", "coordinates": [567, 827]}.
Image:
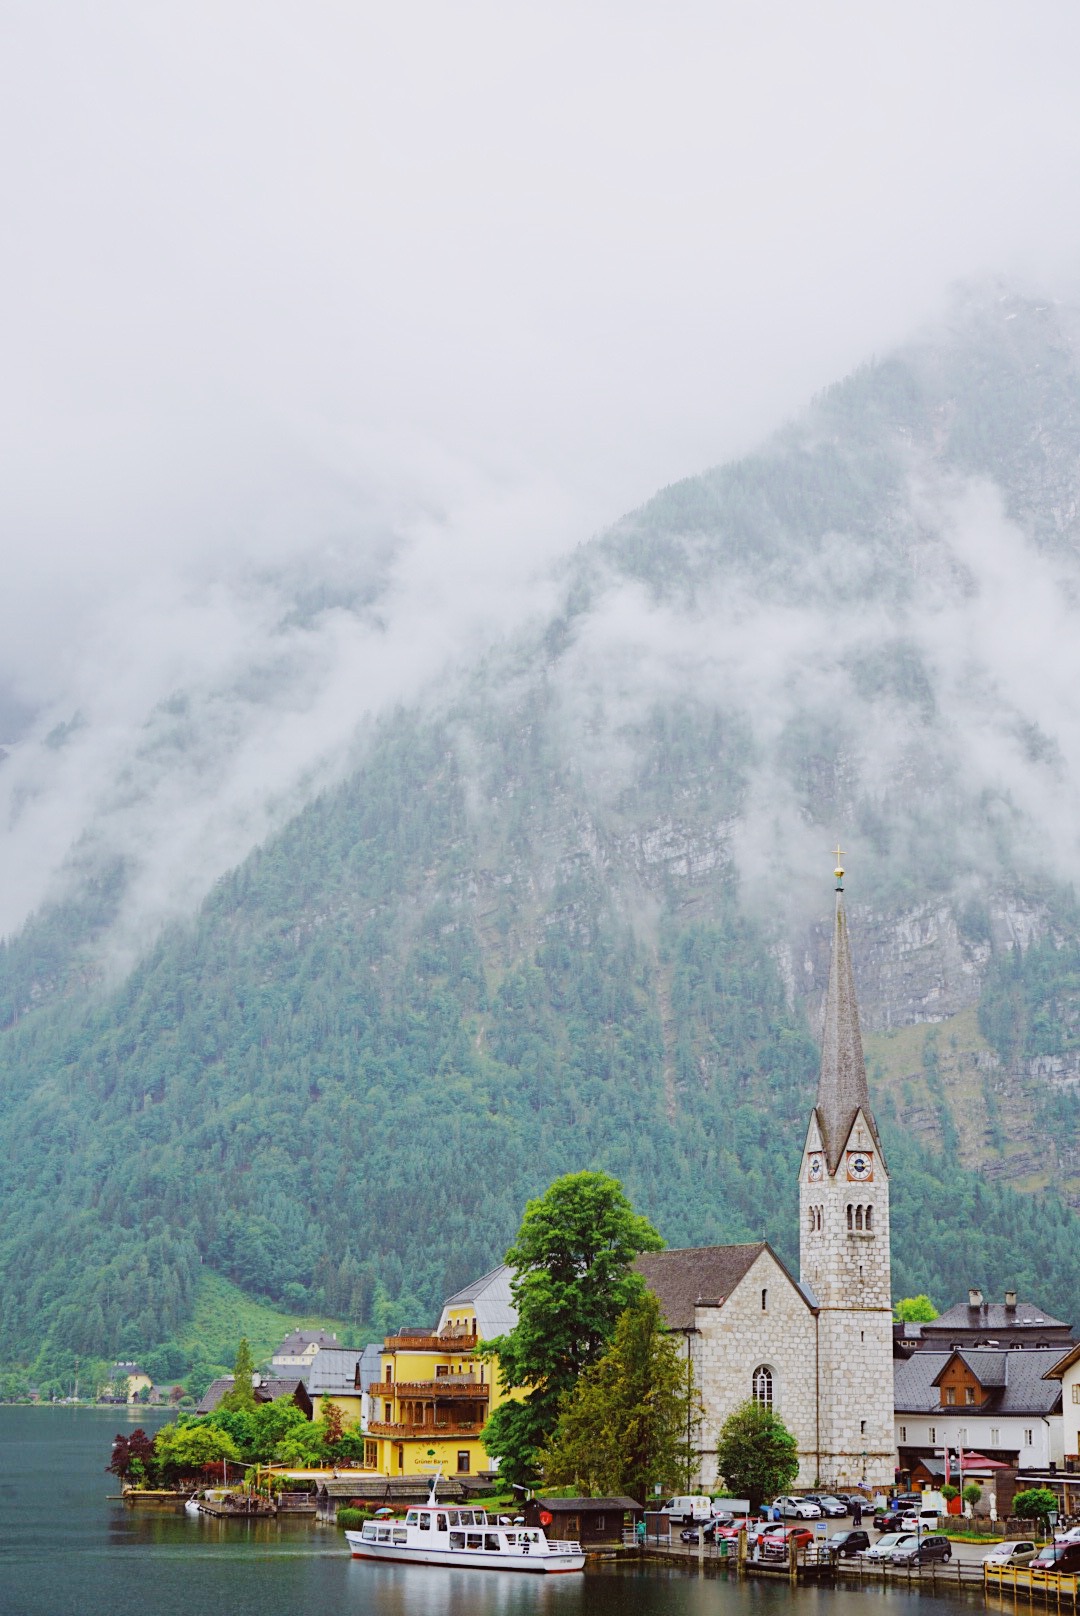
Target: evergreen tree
{"type": "Point", "coordinates": [242, 1396]}
{"type": "Point", "coordinates": [572, 1280]}
{"type": "Point", "coordinates": [756, 1454]}
{"type": "Point", "coordinates": [633, 1417]}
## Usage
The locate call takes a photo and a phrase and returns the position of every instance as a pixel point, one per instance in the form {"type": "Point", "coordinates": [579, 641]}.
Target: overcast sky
{"type": "Point", "coordinates": [281, 279]}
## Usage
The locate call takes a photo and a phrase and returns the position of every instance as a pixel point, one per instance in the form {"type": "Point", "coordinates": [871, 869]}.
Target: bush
{"type": "Point", "coordinates": [352, 1518]}
{"type": "Point", "coordinates": [1035, 1503]}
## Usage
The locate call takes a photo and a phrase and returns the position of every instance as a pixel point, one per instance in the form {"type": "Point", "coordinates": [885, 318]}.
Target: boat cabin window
{"type": "Point", "coordinates": [425, 1521]}
{"type": "Point", "coordinates": [410, 1519]}
{"type": "Point", "coordinates": [457, 1540]}
{"type": "Point", "coordinates": [491, 1541]}
{"type": "Point", "coordinates": [475, 1540]}
{"type": "Point", "coordinates": [440, 1522]}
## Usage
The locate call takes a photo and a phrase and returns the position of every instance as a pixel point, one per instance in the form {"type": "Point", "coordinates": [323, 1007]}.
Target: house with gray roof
{"type": "Point", "coordinates": [993, 1401]}
{"type": "Point", "coordinates": [1009, 1323]}
{"type": "Point", "coordinates": [490, 1304]}
{"type": "Point", "coordinates": [299, 1348]}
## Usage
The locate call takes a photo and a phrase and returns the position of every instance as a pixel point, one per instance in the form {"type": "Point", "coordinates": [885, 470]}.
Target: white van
{"type": "Point", "coordinates": [690, 1508]}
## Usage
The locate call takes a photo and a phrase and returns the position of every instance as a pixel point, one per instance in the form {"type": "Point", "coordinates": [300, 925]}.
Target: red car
{"type": "Point", "coordinates": [774, 1544]}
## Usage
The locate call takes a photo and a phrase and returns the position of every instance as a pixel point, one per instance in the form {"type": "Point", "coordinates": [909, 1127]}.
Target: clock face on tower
{"type": "Point", "coordinates": [815, 1170]}
{"type": "Point", "coordinates": [860, 1166]}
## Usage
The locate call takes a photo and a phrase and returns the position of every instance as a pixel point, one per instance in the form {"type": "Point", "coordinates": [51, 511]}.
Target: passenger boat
{"type": "Point", "coordinates": [439, 1535]}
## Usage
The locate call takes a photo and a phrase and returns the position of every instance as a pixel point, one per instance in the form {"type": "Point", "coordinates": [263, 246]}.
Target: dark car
{"type": "Point", "coordinates": [705, 1533]}
{"type": "Point", "coordinates": [846, 1544]}
{"type": "Point", "coordinates": [934, 1547]}
{"type": "Point", "coordinates": [888, 1520]}
{"type": "Point", "coordinates": [828, 1503]}
{"type": "Point", "coordinates": [1057, 1557]}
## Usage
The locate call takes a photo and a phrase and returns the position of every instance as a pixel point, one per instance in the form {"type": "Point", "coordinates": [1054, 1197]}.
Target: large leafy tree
{"type": "Point", "coordinates": [915, 1309]}
{"type": "Point", "coordinates": [634, 1416]}
{"type": "Point", "coordinates": [572, 1279]}
{"type": "Point", "coordinates": [756, 1455]}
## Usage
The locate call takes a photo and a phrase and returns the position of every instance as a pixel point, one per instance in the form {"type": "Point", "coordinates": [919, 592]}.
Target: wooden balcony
{"type": "Point", "coordinates": [454, 1386]}
{"type": "Point", "coordinates": [430, 1343]}
{"type": "Point", "coordinates": [435, 1433]}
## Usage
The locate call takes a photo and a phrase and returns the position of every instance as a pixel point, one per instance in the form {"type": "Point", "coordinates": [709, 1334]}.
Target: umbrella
{"type": "Point", "coordinates": [384, 1512]}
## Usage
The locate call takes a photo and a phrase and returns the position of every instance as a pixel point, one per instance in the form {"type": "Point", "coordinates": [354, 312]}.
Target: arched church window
{"type": "Point", "coordinates": [763, 1385]}
{"type": "Point", "coordinates": [869, 1217]}
{"type": "Point", "coordinates": [764, 1299]}
{"type": "Point", "coordinates": [850, 1216]}
{"type": "Point", "coordinates": [858, 1217]}
{"type": "Point", "coordinates": [812, 1217]}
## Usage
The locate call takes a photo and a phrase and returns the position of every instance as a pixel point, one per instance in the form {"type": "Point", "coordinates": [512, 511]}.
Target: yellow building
{"type": "Point", "coordinates": [435, 1393]}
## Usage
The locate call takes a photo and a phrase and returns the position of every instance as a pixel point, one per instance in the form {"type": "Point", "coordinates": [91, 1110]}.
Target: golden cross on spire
{"type": "Point", "coordinates": [839, 870]}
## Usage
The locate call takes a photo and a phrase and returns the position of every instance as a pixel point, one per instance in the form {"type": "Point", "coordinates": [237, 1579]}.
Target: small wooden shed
{"type": "Point", "coordinates": [583, 1520]}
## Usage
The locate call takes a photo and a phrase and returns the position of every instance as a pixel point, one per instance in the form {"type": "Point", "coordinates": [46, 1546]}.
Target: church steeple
{"type": "Point", "coordinates": [842, 1089]}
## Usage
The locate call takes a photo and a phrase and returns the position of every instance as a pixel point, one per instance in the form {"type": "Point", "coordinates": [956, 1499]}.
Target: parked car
{"type": "Point", "coordinates": [827, 1504]}
{"type": "Point", "coordinates": [888, 1520]}
{"type": "Point", "coordinates": [688, 1508]}
{"type": "Point", "coordinates": [921, 1551]}
{"type": "Point", "coordinates": [706, 1532]}
{"type": "Point", "coordinates": [1058, 1557]}
{"type": "Point", "coordinates": [1018, 1552]}
{"type": "Point", "coordinates": [847, 1544]}
{"type": "Point", "coordinates": [775, 1544]}
{"type": "Point", "coordinates": [1071, 1536]}
{"type": "Point", "coordinates": [922, 1520]}
{"type": "Point", "coordinates": [800, 1509]}
{"type": "Point", "coordinates": [883, 1548]}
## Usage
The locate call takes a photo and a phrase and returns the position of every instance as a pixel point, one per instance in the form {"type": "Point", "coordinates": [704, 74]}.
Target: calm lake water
{"type": "Point", "coordinates": [65, 1550]}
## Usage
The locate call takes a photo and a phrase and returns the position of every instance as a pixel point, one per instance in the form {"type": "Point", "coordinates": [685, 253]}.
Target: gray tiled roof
{"type": "Point", "coordinates": [490, 1298]}
{"type": "Point", "coordinates": [994, 1316]}
{"type": "Point", "coordinates": [333, 1370]}
{"type": "Point", "coordinates": [680, 1280]}
{"type": "Point", "coordinates": [213, 1394]}
{"type": "Point", "coordinates": [1020, 1390]}
{"type": "Point", "coordinates": [297, 1340]}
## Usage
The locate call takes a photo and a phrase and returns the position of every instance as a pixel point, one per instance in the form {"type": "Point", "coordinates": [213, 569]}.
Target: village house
{"type": "Point", "coordinates": [979, 1323]}
{"type": "Point", "coordinates": [435, 1392]}
{"type": "Point", "coordinates": [127, 1382]}
{"type": "Point", "coordinates": [296, 1352]}
{"type": "Point", "coordinates": [589, 1521]}
{"type": "Point", "coordinates": [992, 1402]}
{"type": "Point", "coordinates": [264, 1390]}
{"type": "Point", "coordinates": [334, 1376]}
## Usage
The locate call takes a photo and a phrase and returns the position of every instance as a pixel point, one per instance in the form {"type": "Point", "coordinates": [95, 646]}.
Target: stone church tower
{"type": "Point", "coordinates": [844, 1246]}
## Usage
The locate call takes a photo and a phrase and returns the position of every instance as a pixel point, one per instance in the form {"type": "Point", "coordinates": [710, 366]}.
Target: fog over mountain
{"type": "Point", "coordinates": [419, 775]}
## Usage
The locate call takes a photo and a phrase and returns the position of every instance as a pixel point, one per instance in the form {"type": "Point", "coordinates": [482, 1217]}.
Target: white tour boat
{"type": "Point", "coordinates": [440, 1535]}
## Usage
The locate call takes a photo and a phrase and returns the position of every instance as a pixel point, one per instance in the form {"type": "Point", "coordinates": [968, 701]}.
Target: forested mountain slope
{"type": "Point", "coordinates": [568, 913]}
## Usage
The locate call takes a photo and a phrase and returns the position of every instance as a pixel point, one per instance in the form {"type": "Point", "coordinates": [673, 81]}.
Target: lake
{"type": "Point", "coordinates": [65, 1550]}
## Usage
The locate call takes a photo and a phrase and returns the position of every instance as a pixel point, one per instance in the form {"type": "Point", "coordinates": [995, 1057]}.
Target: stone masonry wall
{"type": "Point", "coordinates": [735, 1338]}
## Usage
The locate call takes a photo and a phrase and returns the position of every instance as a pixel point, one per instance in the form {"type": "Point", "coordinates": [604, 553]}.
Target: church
{"type": "Point", "coordinates": [817, 1349]}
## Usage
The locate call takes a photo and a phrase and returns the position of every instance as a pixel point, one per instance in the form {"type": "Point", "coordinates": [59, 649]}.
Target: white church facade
{"type": "Point", "coordinates": [817, 1350]}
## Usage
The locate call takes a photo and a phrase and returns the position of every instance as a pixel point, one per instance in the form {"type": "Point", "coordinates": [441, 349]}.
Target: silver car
{"type": "Point", "coordinates": [883, 1548]}
{"type": "Point", "coordinates": [1018, 1553]}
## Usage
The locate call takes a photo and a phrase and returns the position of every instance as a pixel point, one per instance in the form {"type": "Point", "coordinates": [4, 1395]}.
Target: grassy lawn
{"type": "Point", "coordinates": [223, 1313]}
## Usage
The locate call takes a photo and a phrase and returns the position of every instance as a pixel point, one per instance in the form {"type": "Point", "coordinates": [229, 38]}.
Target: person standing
{"type": "Point", "coordinates": [856, 1514]}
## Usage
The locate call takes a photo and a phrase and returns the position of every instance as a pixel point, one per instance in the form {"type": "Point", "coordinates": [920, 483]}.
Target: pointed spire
{"type": "Point", "coordinates": [842, 1088]}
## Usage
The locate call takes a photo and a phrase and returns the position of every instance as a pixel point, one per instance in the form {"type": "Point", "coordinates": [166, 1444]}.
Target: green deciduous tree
{"type": "Point", "coordinates": [182, 1449]}
{"type": "Point", "coordinates": [572, 1280]}
{"type": "Point", "coordinates": [633, 1417]}
{"type": "Point", "coordinates": [756, 1454]}
{"type": "Point", "coordinates": [1034, 1503]}
{"type": "Point", "coordinates": [915, 1309]}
